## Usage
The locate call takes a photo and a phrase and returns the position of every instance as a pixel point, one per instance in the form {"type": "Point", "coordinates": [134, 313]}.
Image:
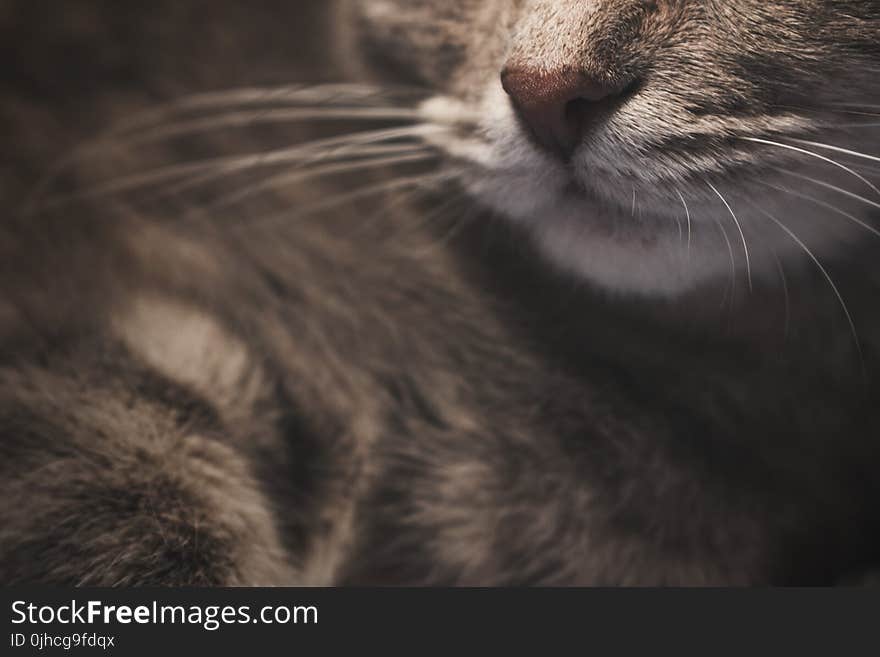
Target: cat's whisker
{"type": "Point", "coordinates": [853, 125]}
{"type": "Point", "coordinates": [359, 153]}
{"type": "Point", "coordinates": [438, 210]}
{"type": "Point", "coordinates": [862, 167]}
{"type": "Point", "coordinates": [838, 149]}
{"type": "Point", "coordinates": [829, 109]}
{"type": "Point", "coordinates": [288, 177]}
{"type": "Point", "coordinates": [262, 117]}
{"type": "Point", "coordinates": [453, 230]}
{"type": "Point", "coordinates": [687, 213]}
{"type": "Point", "coordinates": [308, 152]}
{"type": "Point", "coordinates": [817, 156]}
{"type": "Point", "coordinates": [729, 244]}
{"type": "Point", "coordinates": [857, 105]}
{"type": "Point", "coordinates": [835, 188]}
{"type": "Point", "coordinates": [429, 183]}
{"type": "Point", "coordinates": [315, 97]}
{"type": "Point", "coordinates": [823, 204]}
{"type": "Point", "coordinates": [741, 233]}
{"type": "Point", "coordinates": [425, 182]}
{"type": "Point", "coordinates": [827, 276]}
{"type": "Point", "coordinates": [326, 94]}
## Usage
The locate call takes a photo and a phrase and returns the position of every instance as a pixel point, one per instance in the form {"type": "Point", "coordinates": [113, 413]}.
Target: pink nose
{"type": "Point", "coordinates": [558, 106]}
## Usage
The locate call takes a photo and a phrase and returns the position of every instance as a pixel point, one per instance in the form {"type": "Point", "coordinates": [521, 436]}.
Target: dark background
{"type": "Point", "coordinates": [70, 68]}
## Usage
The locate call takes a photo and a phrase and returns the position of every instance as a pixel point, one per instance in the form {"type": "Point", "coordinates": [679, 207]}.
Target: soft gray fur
{"type": "Point", "coordinates": [652, 363]}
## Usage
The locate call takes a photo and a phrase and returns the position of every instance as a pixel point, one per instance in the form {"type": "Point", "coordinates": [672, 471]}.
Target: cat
{"type": "Point", "coordinates": [589, 302]}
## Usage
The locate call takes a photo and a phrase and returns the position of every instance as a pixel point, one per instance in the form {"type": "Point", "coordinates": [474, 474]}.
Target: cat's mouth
{"type": "Point", "coordinates": [537, 184]}
{"type": "Point", "coordinates": [503, 158]}
{"type": "Point", "coordinates": [641, 212]}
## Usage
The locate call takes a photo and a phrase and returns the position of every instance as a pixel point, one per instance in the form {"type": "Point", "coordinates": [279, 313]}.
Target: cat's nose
{"type": "Point", "coordinates": [559, 106]}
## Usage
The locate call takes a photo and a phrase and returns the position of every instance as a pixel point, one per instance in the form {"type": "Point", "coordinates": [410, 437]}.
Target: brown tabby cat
{"type": "Point", "coordinates": [574, 292]}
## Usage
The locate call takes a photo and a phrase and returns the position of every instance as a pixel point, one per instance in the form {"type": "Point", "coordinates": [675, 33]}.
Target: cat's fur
{"type": "Point", "coordinates": [362, 396]}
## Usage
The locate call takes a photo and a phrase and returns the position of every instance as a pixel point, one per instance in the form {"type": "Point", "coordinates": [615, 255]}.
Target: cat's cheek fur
{"type": "Point", "coordinates": [623, 253]}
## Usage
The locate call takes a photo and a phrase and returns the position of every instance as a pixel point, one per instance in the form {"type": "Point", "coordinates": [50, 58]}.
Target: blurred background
{"type": "Point", "coordinates": [71, 68]}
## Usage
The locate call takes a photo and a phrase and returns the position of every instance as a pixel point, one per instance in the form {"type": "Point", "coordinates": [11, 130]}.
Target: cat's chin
{"type": "Point", "coordinates": [650, 265]}
{"type": "Point", "coordinates": [649, 250]}
{"type": "Point", "coordinates": [618, 250]}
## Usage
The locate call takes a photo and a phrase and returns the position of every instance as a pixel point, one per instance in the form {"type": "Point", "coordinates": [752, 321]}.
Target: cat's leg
{"type": "Point", "coordinates": [106, 484]}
